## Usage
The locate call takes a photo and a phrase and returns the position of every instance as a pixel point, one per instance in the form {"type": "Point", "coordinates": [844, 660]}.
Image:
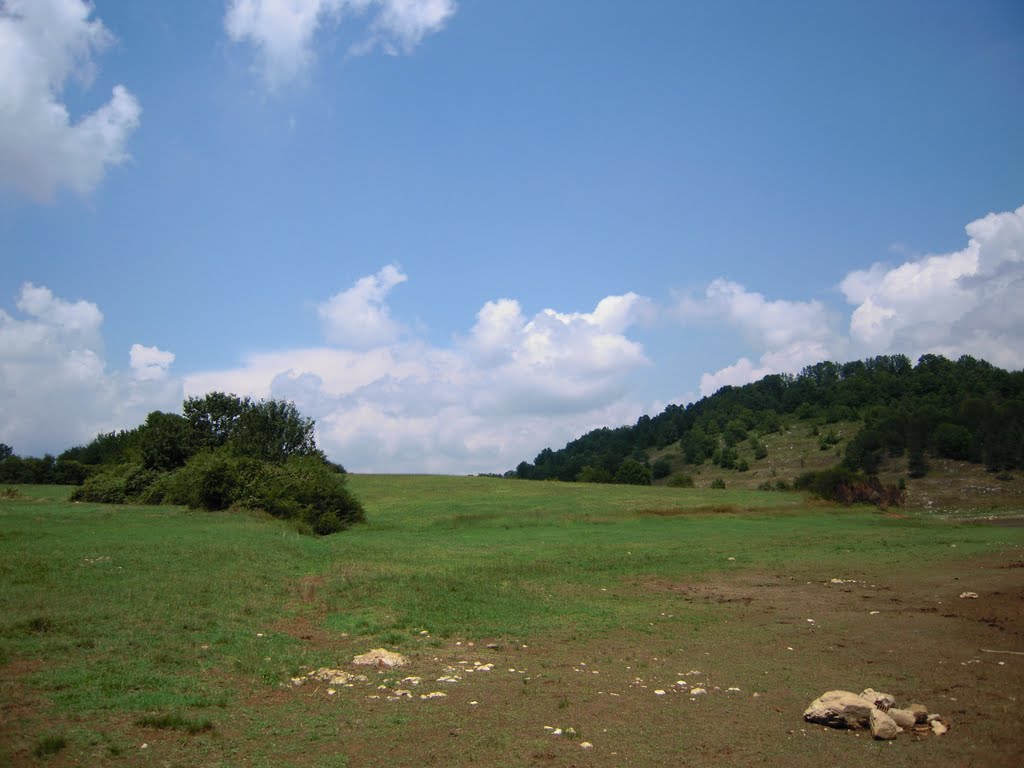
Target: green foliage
{"type": "Point", "coordinates": [110, 485]}
{"type": "Point", "coordinates": [953, 441]}
{"type": "Point", "coordinates": [165, 441]}
{"type": "Point", "coordinates": [632, 472]}
{"type": "Point", "coordinates": [5, 451]}
{"type": "Point", "coordinates": [718, 484]}
{"type": "Point", "coordinates": [594, 475]}
{"type": "Point", "coordinates": [917, 465]}
{"type": "Point", "coordinates": [49, 744]}
{"type": "Point", "coordinates": [661, 469]}
{"type": "Point", "coordinates": [680, 480]}
{"type": "Point", "coordinates": [176, 722]}
{"type": "Point", "coordinates": [846, 486]}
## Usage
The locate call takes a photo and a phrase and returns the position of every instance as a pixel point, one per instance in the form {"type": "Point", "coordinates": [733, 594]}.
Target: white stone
{"type": "Point", "coordinates": [379, 657]}
{"type": "Point", "coordinates": [839, 709]}
{"type": "Point", "coordinates": [881, 700]}
{"type": "Point", "coordinates": [882, 726]}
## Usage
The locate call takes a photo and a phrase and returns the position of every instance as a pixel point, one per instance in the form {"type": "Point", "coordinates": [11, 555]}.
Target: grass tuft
{"type": "Point", "coordinates": [175, 722]}
{"type": "Point", "coordinates": [50, 744]}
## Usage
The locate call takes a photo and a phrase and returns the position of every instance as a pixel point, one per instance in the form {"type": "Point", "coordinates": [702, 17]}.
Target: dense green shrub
{"type": "Point", "coordinates": [594, 475]}
{"type": "Point", "coordinates": [661, 469]}
{"type": "Point", "coordinates": [118, 484]}
{"type": "Point", "coordinates": [632, 472]}
{"type": "Point", "coordinates": [718, 484]}
{"type": "Point", "coordinates": [680, 480]}
{"type": "Point", "coordinates": [847, 486]}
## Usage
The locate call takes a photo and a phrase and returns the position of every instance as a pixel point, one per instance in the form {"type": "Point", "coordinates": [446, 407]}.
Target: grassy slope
{"type": "Point", "coordinates": [953, 489]}
{"type": "Point", "coordinates": [110, 613]}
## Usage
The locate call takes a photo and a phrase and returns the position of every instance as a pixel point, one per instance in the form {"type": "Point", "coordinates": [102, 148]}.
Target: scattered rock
{"type": "Point", "coordinates": [380, 657]}
{"type": "Point", "coordinates": [433, 695]}
{"type": "Point", "coordinates": [883, 726]}
{"type": "Point", "coordinates": [904, 718]}
{"type": "Point", "coordinates": [659, 692]}
{"type": "Point", "coordinates": [881, 700]}
{"type": "Point", "coordinates": [586, 745]}
{"type": "Point", "coordinates": [697, 691]}
{"type": "Point", "coordinates": [874, 710]}
{"type": "Point", "coordinates": [331, 677]}
{"type": "Point", "coordinates": [840, 709]}
{"type": "Point", "coordinates": [969, 595]}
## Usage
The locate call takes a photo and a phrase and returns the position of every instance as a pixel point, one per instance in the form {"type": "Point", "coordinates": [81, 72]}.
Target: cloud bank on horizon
{"type": "Point", "coordinates": [385, 399]}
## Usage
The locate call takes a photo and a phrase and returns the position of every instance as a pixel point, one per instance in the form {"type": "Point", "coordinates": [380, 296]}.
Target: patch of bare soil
{"type": "Point", "coordinates": [729, 688]}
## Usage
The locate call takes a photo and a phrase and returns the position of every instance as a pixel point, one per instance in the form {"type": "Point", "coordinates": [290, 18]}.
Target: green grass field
{"type": "Point", "coordinates": [118, 622]}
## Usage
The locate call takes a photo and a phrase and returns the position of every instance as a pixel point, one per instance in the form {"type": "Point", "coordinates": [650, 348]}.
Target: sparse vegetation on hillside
{"type": "Point", "coordinates": [864, 414]}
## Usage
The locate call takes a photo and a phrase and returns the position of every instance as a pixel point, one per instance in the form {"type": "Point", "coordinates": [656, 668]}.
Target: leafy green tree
{"type": "Point", "coordinates": [213, 417]}
{"type": "Point", "coordinates": [273, 430]}
{"type": "Point", "coordinates": [5, 451]}
{"type": "Point", "coordinates": [917, 465]}
{"type": "Point", "coordinates": [660, 469]}
{"type": "Point", "coordinates": [953, 441]}
{"type": "Point", "coordinates": [594, 475]}
{"type": "Point", "coordinates": [165, 441]}
{"type": "Point", "coordinates": [632, 472]}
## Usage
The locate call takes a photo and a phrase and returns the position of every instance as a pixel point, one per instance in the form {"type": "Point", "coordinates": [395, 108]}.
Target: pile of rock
{"type": "Point", "coordinates": [873, 710]}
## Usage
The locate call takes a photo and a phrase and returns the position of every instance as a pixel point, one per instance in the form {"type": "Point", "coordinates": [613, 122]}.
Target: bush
{"type": "Point", "coordinates": [594, 475]}
{"type": "Point", "coordinates": [118, 484]}
{"type": "Point", "coordinates": [304, 488]}
{"type": "Point", "coordinates": [846, 486]}
{"type": "Point", "coordinates": [632, 472]}
{"type": "Point", "coordinates": [680, 480]}
{"type": "Point", "coordinates": [661, 468]}
{"type": "Point", "coordinates": [718, 483]}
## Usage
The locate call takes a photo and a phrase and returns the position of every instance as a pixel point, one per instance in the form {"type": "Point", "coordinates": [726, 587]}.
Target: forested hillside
{"type": "Point", "coordinates": [966, 409]}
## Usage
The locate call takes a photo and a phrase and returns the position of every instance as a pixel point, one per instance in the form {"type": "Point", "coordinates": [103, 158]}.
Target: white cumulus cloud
{"type": "Point", "coordinates": [284, 31]}
{"type": "Point", "coordinates": [55, 390]}
{"type": "Point", "coordinates": [43, 43]}
{"type": "Point", "coordinates": [511, 386]}
{"type": "Point", "coordinates": [791, 334]}
{"type": "Point", "coordinates": [359, 316]}
{"type": "Point", "coordinates": [964, 302]}
{"type": "Point", "coordinates": [149, 363]}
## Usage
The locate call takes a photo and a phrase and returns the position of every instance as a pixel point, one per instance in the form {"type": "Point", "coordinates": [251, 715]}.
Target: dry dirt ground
{"type": "Point", "coordinates": [780, 638]}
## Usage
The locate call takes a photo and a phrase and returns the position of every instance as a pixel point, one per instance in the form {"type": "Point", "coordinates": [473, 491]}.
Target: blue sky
{"type": "Point", "coordinates": [458, 231]}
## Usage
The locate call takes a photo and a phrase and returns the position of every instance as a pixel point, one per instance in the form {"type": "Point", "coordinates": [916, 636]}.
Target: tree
{"type": "Point", "coordinates": [5, 451]}
{"type": "Point", "coordinates": [213, 417]}
{"type": "Point", "coordinates": [632, 472]}
{"type": "Point", "coordinates": [273, 430]}
{"type": "Point", "coordinates": [165, 441]}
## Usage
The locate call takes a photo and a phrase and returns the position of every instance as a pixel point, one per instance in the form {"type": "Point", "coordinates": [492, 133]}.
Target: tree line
{"type": "Point", "coordinates": [223, 451]}
{"type": "Point", "coordinates": [966, 409]}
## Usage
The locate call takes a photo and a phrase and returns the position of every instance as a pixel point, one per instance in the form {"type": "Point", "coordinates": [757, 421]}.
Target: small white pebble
{"type": "Point", "coordinates": [586, 745]}
{"type": "Point", "coordinates": [144, 746]}
{"type": "Point", "coordinates": [659, 692]}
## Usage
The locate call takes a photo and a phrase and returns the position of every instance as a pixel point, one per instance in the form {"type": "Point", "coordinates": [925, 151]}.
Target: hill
{"type": "Point", "coordinates": [882, 416]}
